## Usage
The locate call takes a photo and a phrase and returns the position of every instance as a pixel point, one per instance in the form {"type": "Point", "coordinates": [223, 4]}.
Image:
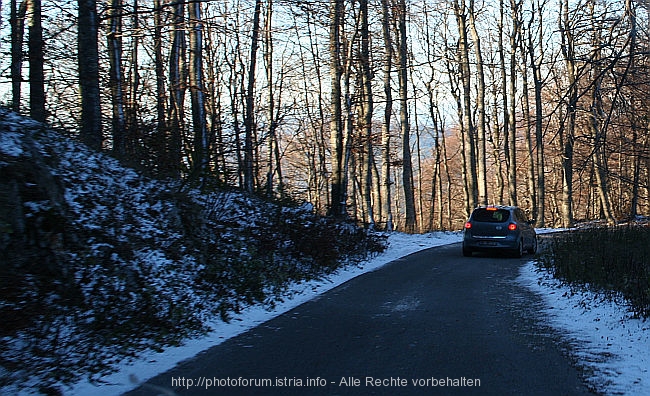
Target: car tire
{"type": "Point", "coordinates": [467, 252]}
{"type": "Point", "coordinates": [533, 249]}
{"type": "Point", "coordinates": [519, 252]}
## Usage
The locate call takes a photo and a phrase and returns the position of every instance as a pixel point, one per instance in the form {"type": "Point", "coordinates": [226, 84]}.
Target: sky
{"type": "Point", "coordinates": [602, 335]}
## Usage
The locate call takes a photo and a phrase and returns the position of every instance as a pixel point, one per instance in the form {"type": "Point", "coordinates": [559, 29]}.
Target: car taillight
{"type": "Point", "coordinates": [512, 226]}
{"type": "Point", "coordinates": [468, 225]}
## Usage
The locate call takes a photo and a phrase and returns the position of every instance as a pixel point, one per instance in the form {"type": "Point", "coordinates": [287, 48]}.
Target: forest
{"type": "Point", "coordinates": [399, 114]}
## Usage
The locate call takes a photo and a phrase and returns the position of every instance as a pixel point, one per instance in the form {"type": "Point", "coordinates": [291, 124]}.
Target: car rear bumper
{"type": "Point", "coordinates": [490, 243]}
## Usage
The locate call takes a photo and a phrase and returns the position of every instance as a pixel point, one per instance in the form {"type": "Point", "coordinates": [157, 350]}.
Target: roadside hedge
{"type": "Point", "coordinates": [612, 261]}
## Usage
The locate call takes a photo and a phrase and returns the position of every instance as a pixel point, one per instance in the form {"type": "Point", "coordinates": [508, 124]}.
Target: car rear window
{"type": "Point", "coordinates": [491, 215]}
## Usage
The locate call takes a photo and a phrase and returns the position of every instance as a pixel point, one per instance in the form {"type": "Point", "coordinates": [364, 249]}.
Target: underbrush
{"type": "Point", "coordinates": [98, 263]}
{"type": "Point", "coordinates": [611, 261]}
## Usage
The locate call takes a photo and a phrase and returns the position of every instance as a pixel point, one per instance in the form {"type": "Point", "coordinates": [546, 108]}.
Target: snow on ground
{"type": "Point", "coordinates": [605, 340]}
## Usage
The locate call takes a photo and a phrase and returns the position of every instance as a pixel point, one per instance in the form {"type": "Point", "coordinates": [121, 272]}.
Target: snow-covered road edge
{"type": "Point", "coordinates": [603, 337]}
{"type": "Point", "coordinates": [131, 374]}
{"type": "Point", "coordinates": [612, 346]}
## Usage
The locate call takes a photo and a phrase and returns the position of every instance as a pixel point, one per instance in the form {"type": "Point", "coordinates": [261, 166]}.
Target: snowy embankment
{"type": "Point", "coordinates": [99, 263]}
{"type": "Point", "coordinates": [610, 345]}
{"type": "Point", "coordinates": [150, 364]}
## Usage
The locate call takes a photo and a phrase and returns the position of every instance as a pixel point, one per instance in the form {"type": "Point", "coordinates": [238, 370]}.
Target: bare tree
{"type": "Point", "coordinates": [630, 12]}
{"type": "Point", "coordinates": [407, 167]}
{"type": "Point", "coordinates": [536, 66]}
{"type": "Point", "coordinates": [467, 126]}
{"type": "Point", "coordinates": [177, 89]}
{"type": "Point", "coordinates": [132, 102]}
{"type": "Point", "coordinates": [88, 59]}
{"type": "Point", "coordinates": [480, 109]}
{"type": "Point", "coordinates": [197, 92]}
{"type": "Point", "coordinates": [116, 77]}
{"type": "Point", "coordinates": [504, 98]}
{"type": "Point", "coordinates": [386, 181]}
{"type": "Point", "coordinates": [567, 128]}
{"type": "Point", "coordinates": [249, 120]}
{"type": "Point", "coordinates": [17, 21]}
{"type": "Point", "coordinates": [511, 137]}
{"type": "Point", "coordinates": [337, 204]}
{"type": "Point", "coordinates": [161, 106]}
{"type": "Point", "coordinates": [36, 60]}
{"type": "Point", "coordinates": [367, 109]}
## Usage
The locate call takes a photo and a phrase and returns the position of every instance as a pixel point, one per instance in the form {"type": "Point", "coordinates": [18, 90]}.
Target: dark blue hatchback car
{"type": "Point", "coordinates": [506, 228]}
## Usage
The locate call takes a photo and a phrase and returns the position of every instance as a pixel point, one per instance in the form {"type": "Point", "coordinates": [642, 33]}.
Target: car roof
{"type": "Point", "coordinates": [506, 207]}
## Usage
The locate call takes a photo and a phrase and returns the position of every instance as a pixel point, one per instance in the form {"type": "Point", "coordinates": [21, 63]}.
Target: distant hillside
{"type": "Point", "coordinates": [98, 262]}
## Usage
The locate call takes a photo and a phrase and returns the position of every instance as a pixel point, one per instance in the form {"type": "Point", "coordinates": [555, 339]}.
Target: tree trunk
{"type": "Point", "coordinates": [116, 77]}
{"type": "Point", "coordinates": [598, 132]}
{"type": "Point", "coordinates": [177, 88]}
{"type": "Point", "coordinates": [531, 197]}
{"type": "Point", "coordinates": [536, 65]}
{"type": "Point", "coordinates": [407, 168]}
{"type": "Point", "coordinates": [274, 165]}
{"type": "Point", "coordinates": [480, 109]}
{"type": "Point", "coordinates": [567, 130]}
{"type": "Point", "coordinates": [367, 110]}
{"type": "Point", "coordinates": [197, 93]}
{"type": "Point", "coordinates": [634, 202]}
{"type": "Point", "coordinates": [496, 148]}
{"type": "Point", "coordinates": [17, 21]}
{"type": "Point", "coordinates": [249, 120]}
{"type": "Point", "coordinates": [36, 59]}
{"type": "Point", "coordinates": [467, 129]}
{"type": "Point", "coordinates": [88, 59]}
{"type": "Point", "coordinates": [337, 204]}
{"type": "Point", "coordinates": [386, 182]}
{"type": "Point", "coordinates": [504, 97]}
{"type": "Point", "coordinates": [132, 104]}
{"type": "Point", "coordinates": [512, 127]}
{"type": "Point", "coordinates": [161, 120]}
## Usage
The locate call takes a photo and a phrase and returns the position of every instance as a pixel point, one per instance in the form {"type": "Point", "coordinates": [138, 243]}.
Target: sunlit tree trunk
{"type": "Point", "coordinates": [367, 109]}
{"type": "Point", "coordinates": [567, 129]}
{"type": "Point", "coordinates": [504, 101]}
{"type": "Point", "coordinates": [511, 141]}
{"type": "Point", "coordinates": [496, 148]}
{"type": "Point", "coordinates": [630, 12]}
{"type": "Point", "coordinates": [536, 60]}
{"type": "Point", "coordinates": [469, 142]}
{"type": "Point", "coordinates": [480, 110]}
{"type": "Point", "coordinates": [407, 167]}
{"type": "Point", "coordinates": [386, 181]}
{"type": "Point", "coordinates": [531, 196]}
{"type": "Point", "coordinates": [597, 131]}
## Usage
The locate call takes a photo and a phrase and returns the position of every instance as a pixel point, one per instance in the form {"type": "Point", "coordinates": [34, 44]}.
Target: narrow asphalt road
{"type": "Point", "coordinates": [433, 322]}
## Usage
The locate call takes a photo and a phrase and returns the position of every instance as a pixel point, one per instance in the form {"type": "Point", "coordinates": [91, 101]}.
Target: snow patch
{"type": "Point", "coordinates": [611, 344]}
{"type": "Point", "coordinates": [10, 144]}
